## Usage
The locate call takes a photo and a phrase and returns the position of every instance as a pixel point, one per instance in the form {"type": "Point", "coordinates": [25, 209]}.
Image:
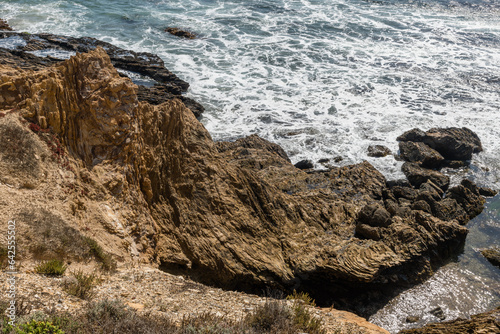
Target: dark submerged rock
{"type": "Point", "coordinates": [378, 151]}
{"type": "Point", "coordinates": [438, 313]}
{"type": "Point", "coordinates": [488, 192]}
{"type": "Point", "coordinates": [180, 33]}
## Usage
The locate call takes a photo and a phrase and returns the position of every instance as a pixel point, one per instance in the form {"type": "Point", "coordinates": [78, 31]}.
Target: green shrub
{"type": "Point", "coordinates": [106, 260]}
{"type": "Point", "coordinates": [38, 327]}
{"type": "Point", "coordinates": [82, 285]}
{"type": "Point", "coordinates": [303, 297]}
{"type": "Point", "coordinates": [51, 268]}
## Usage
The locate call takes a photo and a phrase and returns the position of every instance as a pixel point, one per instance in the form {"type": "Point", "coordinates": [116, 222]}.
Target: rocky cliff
{"type": "Point", "coordinates": [148, 182]}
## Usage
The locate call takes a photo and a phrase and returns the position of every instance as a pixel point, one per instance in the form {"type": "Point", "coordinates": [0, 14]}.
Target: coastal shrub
{"type": "Point", "coordinates": [52, 267]}
{"type": "Point", "coordinates": [38, 327]}
{"type": "Point", "coordinates": [81, 285]}
{"type": "Point", "coordinates": [302, 297]}
{"type": "Point", "coordinates": [107, 262]}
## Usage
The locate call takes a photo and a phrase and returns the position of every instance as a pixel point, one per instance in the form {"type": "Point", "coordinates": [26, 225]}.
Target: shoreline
{"type": "Point", "coordinates": [270, 160]}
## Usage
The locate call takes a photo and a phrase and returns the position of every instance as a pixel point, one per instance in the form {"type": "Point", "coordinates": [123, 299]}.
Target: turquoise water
{"type": "Point", "coordinates": [326, 79]}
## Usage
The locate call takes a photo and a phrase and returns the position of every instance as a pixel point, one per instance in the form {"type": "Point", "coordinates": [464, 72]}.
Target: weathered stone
{"type": "Point", "coordinates": [449, 209]}
{"type": "Point", "coordinates": [421, 205]}
{"type": "Point", "coordinates": [415, 135]}
{"type": "Point", "coordinates": [454, 143]}
{"type": "Point", "coordinates": [378, 151]}
{"type": "Point", "coordinates": [404, 192]}
{"type": "Point", "coordinates": [368, 232]}
{"type": "Point", "coordinates": [488, 322]}
{"type": "Point", "coordinates": [467, 195]}
{"type": "Point", "coordinates": [488, 192]}
{"type": "Point", "coordinates": [493, 255]}
{"type": "Point", "coordinates": [412, 318]}
{"type": "Point", "coordinates": [374, 215]}
{"type": "Point", "coordinates": [418, 175]}
{"type": "Point", "coordinates": [420, 153]}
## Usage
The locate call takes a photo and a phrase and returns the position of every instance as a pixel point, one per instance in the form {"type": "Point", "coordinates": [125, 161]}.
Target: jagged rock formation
{"type": "Point", "coordinates": [161, 85]}
{"type": "Point", "coordinates": [180, 33]}
{"type": "Point", "coordinates": [488, 322]}
{"type": "Point", "coordinates": [492, 255]}
{"type": "Point", "coordinates": [237, 215]}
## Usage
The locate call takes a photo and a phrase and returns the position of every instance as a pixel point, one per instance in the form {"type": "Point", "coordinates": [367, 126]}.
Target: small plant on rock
{"type": "Point", "coordinates": [51, 268]}
{"type": "Point", "coordinates": [81, 285]}
{"type": "Point", "coordinates": [38, 327]}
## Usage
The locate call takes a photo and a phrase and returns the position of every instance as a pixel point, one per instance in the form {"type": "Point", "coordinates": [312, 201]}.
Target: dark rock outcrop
{"type": "Point", "coordinates": [304, 164]}
{"type": "Point", "coordinates": [420, 153]}
{"type": "Point", "coordinates": [378, 151]}
{"type": "Point", "coordinates": [451, 143]}
{"type": "Point", "coordinates": [180, 33]}
{"type": "Point", "coordinates": [417, 176]}
{"type": "Point", "coordinates": [488, 322]}
{"type": "Point", "coordinates": [165, 85]}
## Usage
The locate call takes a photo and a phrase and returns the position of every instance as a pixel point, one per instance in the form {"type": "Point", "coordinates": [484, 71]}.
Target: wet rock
{"type": "Point", "coordinates": [455, 164]}
{"type": "Point", "coordinates": [378, 151]}
{"type": "Point", "coordinates": [451, 143]}
{"type": "Point", "coordinates": [338, 159]}
{"type": "Point", "coordinates": [467, 195]}
{"type": "Point", "coordinates": [438, 313]}
{"type": "Point", "coordinates": [417, 175]}
{"type": "Point", "coordinates": [323, 161]}
{"type": "Point", "coordinates": [492, 255]}
{"type": "Point", "coordinates": [374, 215]}
{"type": "Point", "coordinates": [487, 192]}
{"type": "Point", "coordinates": [420, 153]}
{"type": "Point", "coordinates": [180, 33]}
{"type": "Point", "coordinates": [400, 183]}
{"type": "Point", "coordinates": [421, 205]}
{"type": "Point", "coordinates": [454, 143]}
{"type": "Point", "coordinates": [412, 319]}
{"type": "Point", "coordinates": [449, 209]}
{"type": "Point", "coordinates": [404, 192]}
{"type": "Point", "coordinates": [488, 322]}
{"type": "Point", "coordinates": [415, 135]}
{"type": "Point", "coordinates": [4, 25]}
{"type": "Point", "coordinates": [304, 164]}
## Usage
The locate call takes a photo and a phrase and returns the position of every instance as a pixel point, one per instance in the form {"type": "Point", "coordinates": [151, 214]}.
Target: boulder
{"type": "Point", "coordinates": [374, 215]}
{"type": "Point", "coordinates": [304, 164]}
{"type": "Point", "coordinates": [454, 143]}
{"type": "Point", "coordinates": [180, 33]}
{"type": "Point", "coordinates": [420, 153]}
{"type": "Point", "coordinates": [417, 175]}
{"type": "Point", "coordinates": [467, 195]}
{"type": "Point", "coordinates": [451, 143]}
{"type": "Point", "coordinates": [378, 151]}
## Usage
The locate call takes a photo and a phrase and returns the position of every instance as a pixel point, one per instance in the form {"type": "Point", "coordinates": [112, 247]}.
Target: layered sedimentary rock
{"type": "Point", "coordinates": [237, 215]}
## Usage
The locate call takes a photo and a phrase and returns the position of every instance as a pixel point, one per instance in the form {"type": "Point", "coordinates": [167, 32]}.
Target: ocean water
{"type": "Point", "coordinates": [326, 79]}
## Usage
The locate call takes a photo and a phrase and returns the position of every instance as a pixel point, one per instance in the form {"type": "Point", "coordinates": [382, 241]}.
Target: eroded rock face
{"type": "Point", "coordinates": [4, 25]}
{"type": "Point", "coordinates": [237, 215]}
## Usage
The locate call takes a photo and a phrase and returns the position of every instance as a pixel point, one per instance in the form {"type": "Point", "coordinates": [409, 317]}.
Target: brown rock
{"type": "Point", "coordinates": [420, 153]}
{"type": "Point", "coordinates": [418, 175]}
{"type": "Point", "coordinates": [467, 195]}
{"type": "Point", "coordinates": [378, 151]}
{"type": "Point", "coordinates": [488, 322]}
{"type": "Point", "coordinates": [180, 33]}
